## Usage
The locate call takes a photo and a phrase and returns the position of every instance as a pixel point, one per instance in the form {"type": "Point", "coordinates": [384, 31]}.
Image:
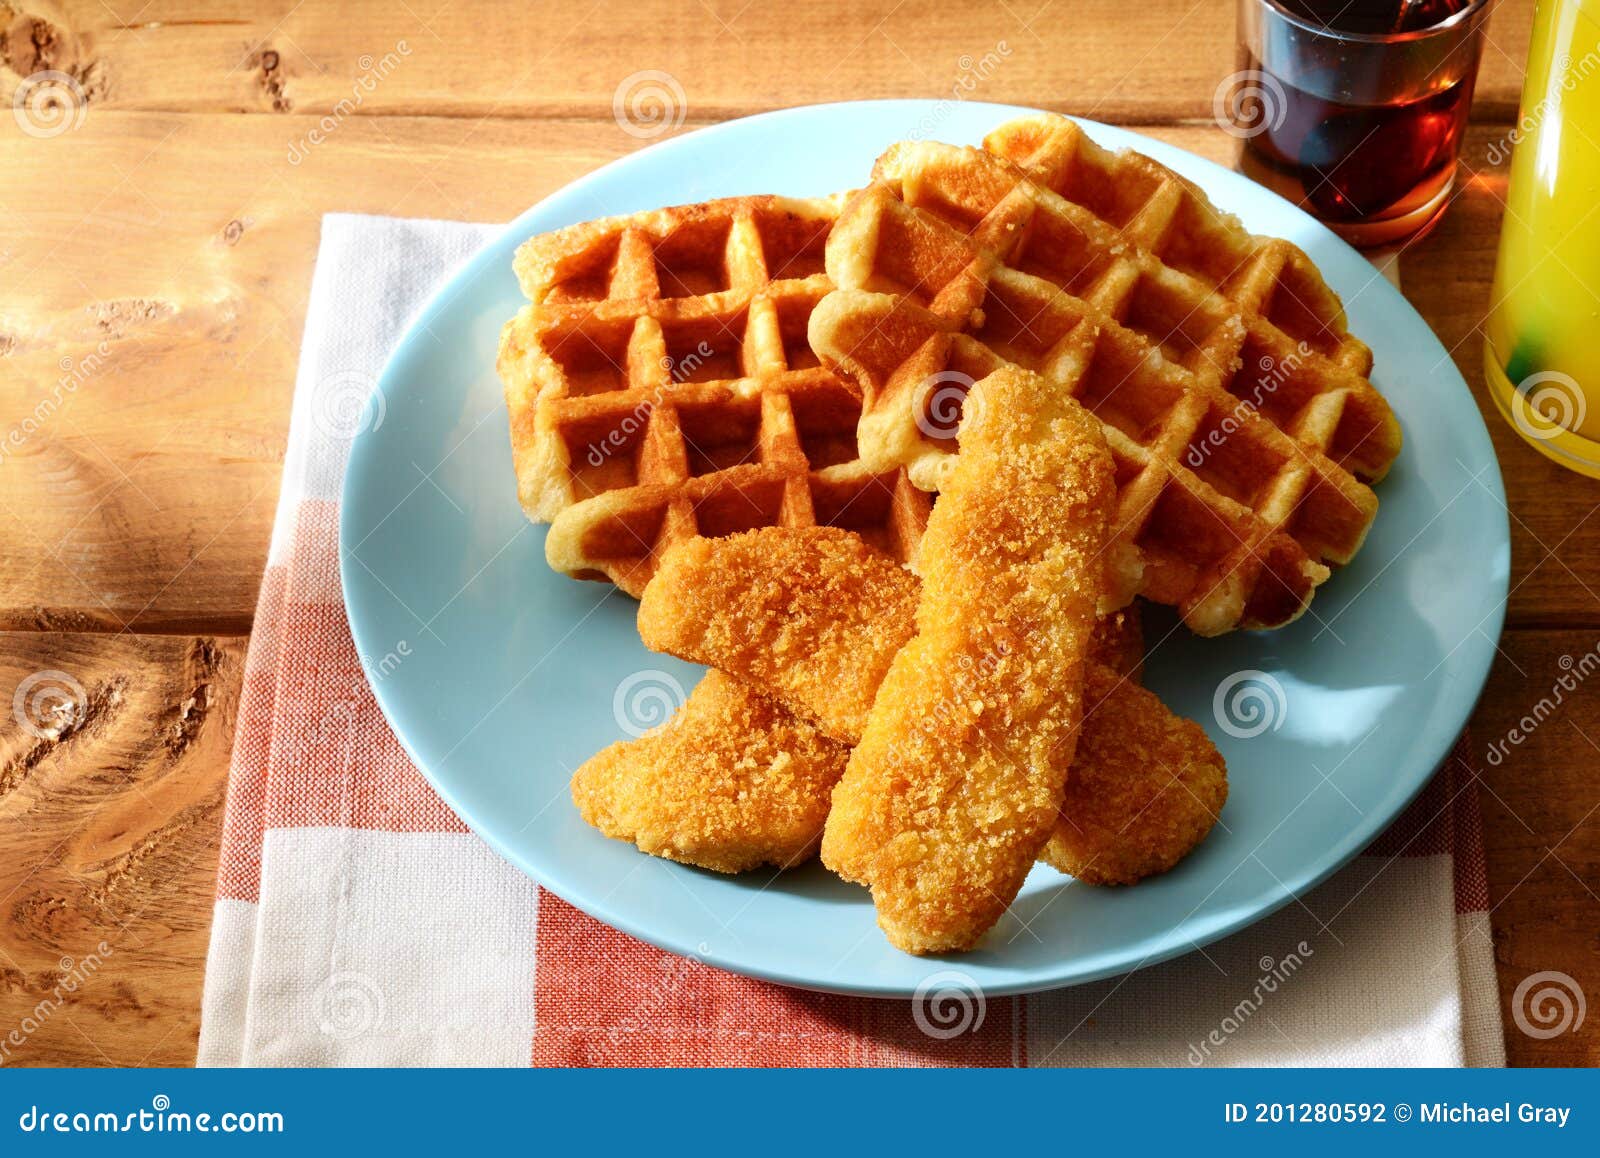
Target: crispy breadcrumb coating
{"type": "Point", "coordinates": [734, 780]}
{"type": "Point", "coordinates": [812, 616]}
{"type": "Point", "coordinates": [1145, 785]}
{"type": "Point", "coordinates": [813, 613]}
{"type": "Point", "coordinates": [1119, 643]}
{"type": "Point", "coordinates": [958, 779]}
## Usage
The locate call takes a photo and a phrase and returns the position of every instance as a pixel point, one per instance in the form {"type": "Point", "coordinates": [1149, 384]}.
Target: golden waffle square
{"type": "Point", "coordinates": [1235, 400]}
{"type": "Point", "coordinates": [660, 387]}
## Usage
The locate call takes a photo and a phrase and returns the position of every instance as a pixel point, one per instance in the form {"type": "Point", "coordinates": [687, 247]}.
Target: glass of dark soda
{"type": "Point", "coordinates": [1355, 109]}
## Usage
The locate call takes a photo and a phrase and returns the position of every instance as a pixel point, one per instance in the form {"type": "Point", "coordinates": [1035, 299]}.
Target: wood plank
{"type": "Point", "coordinates": [145, 497]}
{"type": "Point", "coordinates": [1155, 62]}
{"type": "Point", "coordinates": [149, 330]}
{"type": "Point", "coordinates": [1541, 805]}
{"type": "Point", "coordinates": [110, 812]}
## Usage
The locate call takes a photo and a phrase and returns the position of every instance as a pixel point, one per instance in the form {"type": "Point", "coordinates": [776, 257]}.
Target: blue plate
{"type": "Point", "coordinates": [1329, 726]}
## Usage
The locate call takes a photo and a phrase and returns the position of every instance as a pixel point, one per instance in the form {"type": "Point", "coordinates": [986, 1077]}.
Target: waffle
{"type": "Point", "coordinates": [661, 387]}
{"type": "Point", "coordinates": [1235, 400]}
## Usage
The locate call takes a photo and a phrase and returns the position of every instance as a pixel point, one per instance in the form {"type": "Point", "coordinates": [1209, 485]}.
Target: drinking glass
{"type": "Point", "coordinates": [1355, 109]}
{"type": "Point", "coordinates": [1542, 344]}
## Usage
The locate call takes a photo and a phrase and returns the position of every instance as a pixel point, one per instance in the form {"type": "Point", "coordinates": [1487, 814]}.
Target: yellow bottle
{"type": "Point", "coordinates": [1542, 351]}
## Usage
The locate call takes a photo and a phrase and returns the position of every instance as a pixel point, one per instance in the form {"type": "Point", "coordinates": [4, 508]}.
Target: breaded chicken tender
{"type": "Point", "coordinates": [814, 614]}
{"type": "Point", "coordinates": [1145, 786]}
{"type": "Point", "coordinates": [733, 781]}
{"type": "Point", "coordinates": [811, 615]}
{"type": "Point", "coordinates": [959, 776]}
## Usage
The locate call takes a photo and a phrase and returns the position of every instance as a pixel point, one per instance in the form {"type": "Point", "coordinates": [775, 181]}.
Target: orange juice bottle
{"type": "Point", "coordinates": [1542, 351]}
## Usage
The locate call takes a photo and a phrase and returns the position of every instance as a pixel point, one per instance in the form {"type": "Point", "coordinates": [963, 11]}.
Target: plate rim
{"type": "Point", "coordinates": [1440, 739]}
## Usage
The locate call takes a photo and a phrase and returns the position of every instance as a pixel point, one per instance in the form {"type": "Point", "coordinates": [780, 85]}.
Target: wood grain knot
{"type": "Point", "coordinates": [31, 44]}
{"type": "Point", "coordinates": [113, 319]}
{"type": "Point", "coordinates": [94, 714]}
{"type": "Point", "coordinates": [272, 80]}
{"type": "Point", "coordinates": [183, 721]}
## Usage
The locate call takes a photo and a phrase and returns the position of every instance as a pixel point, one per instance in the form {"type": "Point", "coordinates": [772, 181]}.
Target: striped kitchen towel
{"type": "Point", "coordinates": [359, 922]}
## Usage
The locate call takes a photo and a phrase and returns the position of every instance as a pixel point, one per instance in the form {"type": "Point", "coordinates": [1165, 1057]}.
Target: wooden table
{"type": "Point", "coordinates": [158, 255]}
